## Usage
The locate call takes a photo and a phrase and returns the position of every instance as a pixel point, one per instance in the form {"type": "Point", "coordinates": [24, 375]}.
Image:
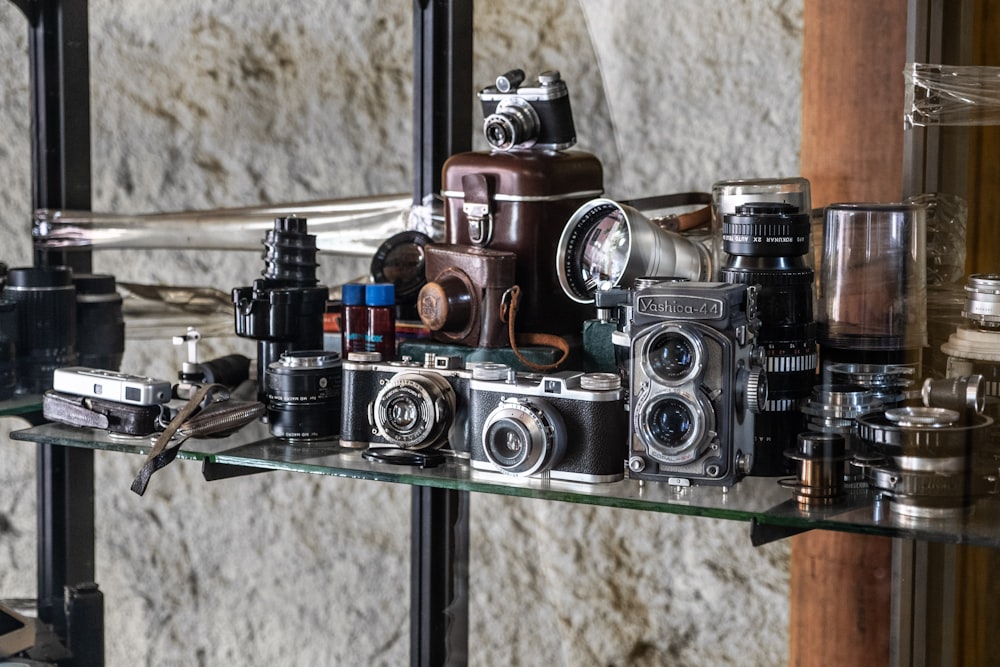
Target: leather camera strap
{"type": "Point", "coordinates": [508, 313]}
{"type": "Point", "coordinates": [677, 222]}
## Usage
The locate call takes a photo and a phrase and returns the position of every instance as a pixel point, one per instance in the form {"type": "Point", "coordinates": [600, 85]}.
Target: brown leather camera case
{"type": "Point", "coordinates": [519, 201]}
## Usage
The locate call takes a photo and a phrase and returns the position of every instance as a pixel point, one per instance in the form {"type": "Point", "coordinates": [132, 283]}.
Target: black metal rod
{"type": "Point", "coordinates": [60, 108]}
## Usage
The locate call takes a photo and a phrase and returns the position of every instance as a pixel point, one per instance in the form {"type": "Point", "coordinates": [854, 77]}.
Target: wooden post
{"type": "Point", "coordinates": [852, 147]}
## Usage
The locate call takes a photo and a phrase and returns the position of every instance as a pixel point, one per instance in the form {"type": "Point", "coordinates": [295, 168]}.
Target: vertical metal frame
{"type": "Point", "coordinates": [61, 178]}
{"type": "Point", "coordinates": [442, 126]}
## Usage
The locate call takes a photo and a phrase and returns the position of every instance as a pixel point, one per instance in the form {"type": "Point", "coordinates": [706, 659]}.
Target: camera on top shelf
{"type": "Point", "coordinates": [403, 404]}
{"type": "Point", "coordinates": [567, 425]}
{"type": "Point", "coordinates": [696, 381]}
{"type": "Point", "coordinates": [520, 116]}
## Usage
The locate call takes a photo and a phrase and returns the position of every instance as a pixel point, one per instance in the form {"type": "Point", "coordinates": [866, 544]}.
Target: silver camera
{"type": "Point", "coordinates": [696, 381]}
{"type": "Point", "coordinates": [567, 425]}
{"type": "Point", "coordinates": [403, 404]}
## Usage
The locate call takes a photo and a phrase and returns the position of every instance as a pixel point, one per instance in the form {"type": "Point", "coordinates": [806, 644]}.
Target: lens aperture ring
{"type": "Point", "coordinates": [929, 440]}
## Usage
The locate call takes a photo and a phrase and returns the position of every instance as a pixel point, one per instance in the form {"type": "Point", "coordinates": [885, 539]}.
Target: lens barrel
{"type": "Point", "coordinates": [766, 243]}
{"type": "Point", "coordinates": [100, 326]}
{"type": "Point", "coordinates": [303, 390]}
{"type": "Point", "coordinates": [8, 348]}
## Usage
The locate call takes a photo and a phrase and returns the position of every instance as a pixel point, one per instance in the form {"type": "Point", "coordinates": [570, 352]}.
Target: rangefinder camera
{"type": "Point", "coordinates": [403, 404]}
{"type": "Point", "coordinates": [528, 116]}
{"type": "Point", "coordinates": [568, 425]}
{"type": "Point", "coordinates": [696, 380]}
{"type": "Point", "coordinates": [110, 385]}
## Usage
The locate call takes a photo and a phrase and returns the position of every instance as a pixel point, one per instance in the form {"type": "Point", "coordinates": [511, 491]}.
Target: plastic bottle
{"type": "Point", "coordinates": [353, 319]}
{"type": "Point", "coordinates": [380, 299]}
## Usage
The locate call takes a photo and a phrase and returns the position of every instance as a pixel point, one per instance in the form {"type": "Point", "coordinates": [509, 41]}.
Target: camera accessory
{"type": "Point", "coordinates": [936, 465]}
{"type": "Point", "coordinates": [727, 195]}
{"type": "Point", "coordinates": [819, 461]}
{"type": "Point", "coordinates": [353, 318]}
{"type": "Point", "coordinates": [538, 116]}
{"type": "Point", "coordinates": [120, 418]}
{"type": "Point", "coordinates": [461, 302]}
{"type": "Point", "coordinates": [100, 327]}
{"type": "Point", "coordinates": [403, 404]}
{"type": "Point", "coordinates": [696, 381]}
{"type": "Point", "coordinates": [303, 390]}
{"type": "Point", "coordinates": [8, 348]}
{"type": "Point", "coordinates": [766, 243]}
{"type": "Point", "coordinates": [507, 200]}
{"type": "Point", "coordinates": [975, 347]}
{"type": "Point", "coordinates": [834, 409]}
{"type": "Point", "coordinates": [283, 311]}
{"type": "Point", "coordinates": [400, 261]}
{"type": "Point", "coordinates": [567, 425]}
{"type": "Point", "coordinates": [229, 371]}
{"type": "Point", "coordinates": [46, 304]}
{"type": "Point", "coordinates": [965, 395]}
{"type": "Point", "coordinates": [111, 385]}
{"type": "Point", "coordinates": [873, 293]}
{"type": "Point", "coordinates": [887, 382]}
{"type": "Point", "coordinates": [608, 244]}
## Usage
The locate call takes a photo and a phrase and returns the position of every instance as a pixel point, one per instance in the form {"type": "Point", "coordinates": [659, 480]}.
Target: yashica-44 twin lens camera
{"type": "Point", "coordinates": [567, 425]}
{"type": "Point", "coordinates": [696, 380]}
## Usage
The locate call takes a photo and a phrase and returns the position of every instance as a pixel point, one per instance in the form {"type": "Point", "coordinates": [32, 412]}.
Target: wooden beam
{"type": "Point", "coordinates": [852, 147]}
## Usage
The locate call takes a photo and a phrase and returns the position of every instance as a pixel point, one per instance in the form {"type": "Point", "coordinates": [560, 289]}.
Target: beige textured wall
{"type": "Point", "coordinates": [198, 105]}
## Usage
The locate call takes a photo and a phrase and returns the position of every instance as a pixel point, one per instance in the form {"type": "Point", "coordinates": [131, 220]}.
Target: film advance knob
{"type": "Point", "coordinates": [756, 390]}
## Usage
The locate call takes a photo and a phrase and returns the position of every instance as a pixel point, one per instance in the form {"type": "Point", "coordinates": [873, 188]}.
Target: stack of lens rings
{"type": "Point", "coordinates": [834, 409]}
{"type": "Point", "coordinates": [889, 383]}
{"type": "Point", "coordinates": [766, 243]}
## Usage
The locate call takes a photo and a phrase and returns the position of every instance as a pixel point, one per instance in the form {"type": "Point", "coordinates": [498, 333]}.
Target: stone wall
{"type": "Point", "coordinates": [199, 105]}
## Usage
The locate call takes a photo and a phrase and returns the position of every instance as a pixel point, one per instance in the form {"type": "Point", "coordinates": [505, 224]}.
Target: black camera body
{"type": "Point", "coordinates": [403, 404]}
{"type": "Point", "coordinates": [536, 116]}
{"type": "Point", "coordinates": [568, 425]}
{"type": "Point", "coordinates": [696, 380]}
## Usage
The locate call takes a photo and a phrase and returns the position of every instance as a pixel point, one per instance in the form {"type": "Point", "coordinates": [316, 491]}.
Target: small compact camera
{"type": "Point", "coordinates": [537, 116]}
{"type": "Point", "coordinates": [568, 425]}
{"type": "Point", "coordinates": [111, 385]}
{"type": "Point", "coordinates": [403, 404]}
{"type": "Point", "coordinates": [696, 380]}
{"type": "Point", "coordinates": [461, 301]}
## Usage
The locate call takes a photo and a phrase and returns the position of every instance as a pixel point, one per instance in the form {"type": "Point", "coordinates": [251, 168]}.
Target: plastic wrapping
{"type": "Point", "coordinates": [343, 226]}
{"type": "Point", "coordinates": [951, 95]}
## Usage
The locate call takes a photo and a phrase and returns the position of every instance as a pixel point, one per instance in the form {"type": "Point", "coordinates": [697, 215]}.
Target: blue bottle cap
{"type": "Point", "coordinates": [380, 294]}
{"type": "Point", "coordinates": [352, 294]}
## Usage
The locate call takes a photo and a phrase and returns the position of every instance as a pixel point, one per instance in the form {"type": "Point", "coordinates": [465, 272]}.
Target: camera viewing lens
{"type": "Point", "coordinates": [524, 437]}
{"type": "Point", "coordinates": [672, 357]}
{"type": "Point", "coordinates": [414, 411]}
{"type": "Point", "coordinates": [670, 422]}
{"type": "Point", "coordinates": [303, 391]}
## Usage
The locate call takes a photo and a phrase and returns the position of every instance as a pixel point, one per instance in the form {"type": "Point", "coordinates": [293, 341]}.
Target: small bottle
{"type": "Point", "coordinates": [380, 298]}
{"type": "Point", "coordinates": [353, 319]}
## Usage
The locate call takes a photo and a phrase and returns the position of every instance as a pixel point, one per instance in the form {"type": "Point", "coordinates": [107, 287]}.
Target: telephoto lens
{"type": "Point", "coordinates": [100, 326]}
{"type": "Point", "coordinates": [766, 243]}
{"type": "Point", "coordinates": [46, 304]}
{"type": "Point", "coordinates": [283, 311]}
{"type": "Point", "coordinates": [303, 395]}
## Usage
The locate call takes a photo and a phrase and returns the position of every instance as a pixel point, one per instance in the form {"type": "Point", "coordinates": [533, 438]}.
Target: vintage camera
{"type": "Point", "coordinates": [461, 301]}
{"type": "Point", "coordinates": [120, 403]}
{"type": "Point", "coordinates": [537, 116]}
{"type": "Point", "coordinates": [696, 381]}
{"type": "Point", "coordinates": [403, 404]}
{"type": "Point", "coordinates": [567, 425]}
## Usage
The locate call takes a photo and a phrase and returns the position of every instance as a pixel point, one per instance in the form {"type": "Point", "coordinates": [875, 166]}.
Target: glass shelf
{"type": "Point", "coordinates": [758, 500]}
{"type": "Point", "coordinates": [21, 405]}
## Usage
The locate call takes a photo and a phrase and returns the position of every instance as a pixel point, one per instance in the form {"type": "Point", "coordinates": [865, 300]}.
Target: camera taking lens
{"type": "Point", "coordinates": [303, 395]}
{"type": "Point", "coordinates": [766, 243]}
{"type": "Point", "coordinates": [537, 116]}
{"type": "Point", "coordinates": [283, 311]}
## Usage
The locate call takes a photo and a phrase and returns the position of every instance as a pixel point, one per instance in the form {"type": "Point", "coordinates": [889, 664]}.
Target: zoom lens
{"type": "Point", "coordinates": [100, 327]}
{"type": "Point", "coordinates": [46, 303]}
{"type": "Point", "coordinates": [523, 437]}
{"type": "Point", "coordinates": [415, 411]}
{"type": "Point", "coordinates": [766, 243]}
{"type": "Point", "coordinates": [303, 391]}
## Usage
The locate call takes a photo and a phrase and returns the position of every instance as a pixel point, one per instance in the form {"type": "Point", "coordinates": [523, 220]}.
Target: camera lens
{"type": "Point", "coordinates": [524, 437]}
{"type": "Point", "coordinates": [303, 392]}
{"type": "Point", "coordinates": [673, 357]}
{"type": "Point", "coordinates": [8, 348]}
{"type": "Point", "coordinates": [670, 422]}
{"type": "Point", "coordinates": [514, 123]}
{"type": "Point", "coordinates": [766, 243]}
{"type": "Point", "coordinates": [607, 244]}
{"type": "Point", "coordinates": [414, 411]}
{"type": "Point", "coordinates": [100, 327]}
{"type": "Point", "coordinates": [46, 303]}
